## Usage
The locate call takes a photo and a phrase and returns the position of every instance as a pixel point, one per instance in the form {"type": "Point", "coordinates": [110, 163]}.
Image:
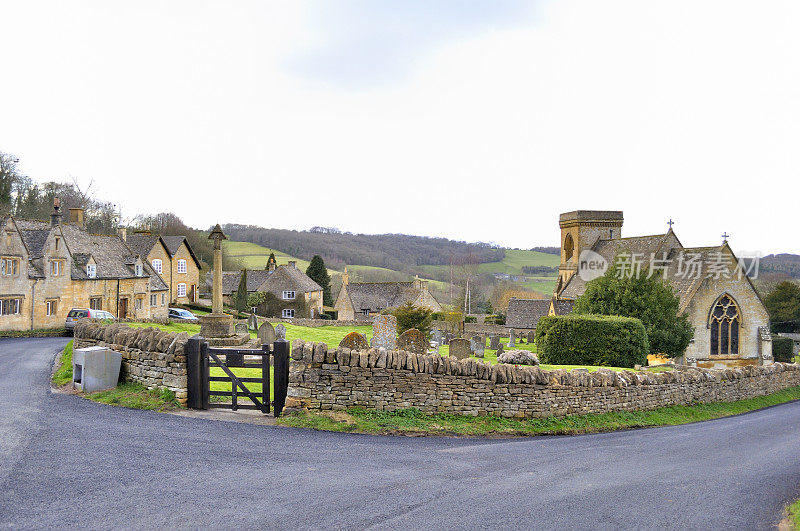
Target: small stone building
{"type": "Point", "coordinates": [173, 259]}
{"type": "Point", "coordinates": [46, 269]}
{"type": "Point", "coordinates": [293, 293]}
{"type": "Point", "coordinates": [523, 314]}
{"type": "Point", "coordinates": [731, 324]}
{"type": "Point", "coordinates": [360, 300]}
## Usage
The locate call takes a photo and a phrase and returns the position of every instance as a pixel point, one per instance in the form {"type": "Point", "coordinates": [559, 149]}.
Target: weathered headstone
{"type": "Point", "coordinates": [448, 338]}
{"type": "Point", "coordinates": [241, 328]}
{"type": "Point", "coordinates": [531, 336]}
{"type": "Point", "coordinates": [499, 349]}
{"type": "Point", "coordinates": [413, 340]}
{"type": "Point", "coordinates": [459, 348]}
{"type": "Point", "coordinates": [512, 339]}
{"type": "Point", "coordinates": [384, 332]}
{"type": "Point", "coordinates": [266, 334]}
{"type": "Point", "coordinates": [494, 341]}
{"type": "Point", "coordinates": [437, 337]}
{"type": "Point", "coordinates": [252, 322]}
{"type": "Point", "coordinates": [478, 345]}
{"type": "Point", "coordinates": [280, 331]}
{"type": "Point", "coordinates": [354, 341]}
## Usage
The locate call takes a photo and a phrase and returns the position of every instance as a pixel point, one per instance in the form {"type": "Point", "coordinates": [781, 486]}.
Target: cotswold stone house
{"type": "Point", "coordinates": [360, 300]}
{"type": "Point", "coordinates": [173, 259]}
{"type": "Point", "coordinates": [46, 269]}
{"type": "Point", "coordinates": [731, 324]}
{"type": "Point", "coordinates": [293, 292]}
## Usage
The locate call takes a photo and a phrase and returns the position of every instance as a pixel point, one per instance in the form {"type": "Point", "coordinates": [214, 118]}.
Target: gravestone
{"type": "Point", "coordinates": [354, 341]}
{"type": "Point", "coordinates": [531, 336]}
{"type": "Point", "coordinates": [437, 337]}
{"type": "Point", "coordinates": [478, 345]}
{"type": "Point", "coordinates": [459, 348]}
{"type": "Point", "coordinates": [384, 332]}
{"type": "Point", "coordinates": [448, 338]}
{"type": "Point", "coordinates": [512, 339]}
{"type": "Point", "coordinates": [241, 328]}
{"type": "Point", "coordinates": [252, 322]}
{"type": "Point", "coordinates": [494, 341]}
{"type": "Point", "coordinates": [413, 341]}
{"type": "Point", "coordinates": [499, 349]}
{"type": "Point", "coordinates": [280, 331]}
{"type": "Point", "coordinates": [266, 334]}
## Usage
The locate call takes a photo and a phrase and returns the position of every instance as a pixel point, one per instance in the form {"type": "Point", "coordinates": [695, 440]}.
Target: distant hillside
{"type": "Point", "coordinates": [398, 252]}
{"type": "Point", "coordinates": [788, 264]}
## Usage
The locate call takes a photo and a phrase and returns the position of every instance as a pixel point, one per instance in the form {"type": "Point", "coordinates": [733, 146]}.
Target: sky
{"type": "Point", "coordinates": [472, 120]}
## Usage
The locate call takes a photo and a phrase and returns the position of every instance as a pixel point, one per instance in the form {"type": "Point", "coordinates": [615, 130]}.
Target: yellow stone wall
{"type": "Point", "coordinates": [191, 278]}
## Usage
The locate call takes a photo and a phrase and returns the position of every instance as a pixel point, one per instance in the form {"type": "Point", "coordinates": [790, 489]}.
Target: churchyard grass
{"type": "Point", "coordinates": [414, 422]}
{"type": "Point", "coordinates": [63, 375]}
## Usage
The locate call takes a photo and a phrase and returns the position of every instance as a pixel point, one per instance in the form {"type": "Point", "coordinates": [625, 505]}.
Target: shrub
{"type": "Point", "coordinates": [592, 340]}
{"type": "Point", "coordinates": [410, 316]}
{"type": "Point", "coordinates": [782, 349]}
{"type": "Point", "coordinates": [470, 319]}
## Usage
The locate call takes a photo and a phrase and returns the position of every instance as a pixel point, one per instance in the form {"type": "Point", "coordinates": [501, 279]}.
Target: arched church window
{"type": "Point", "coordinates": [724, 323]}
{"type": "Point", "coordinates": [569, 247]}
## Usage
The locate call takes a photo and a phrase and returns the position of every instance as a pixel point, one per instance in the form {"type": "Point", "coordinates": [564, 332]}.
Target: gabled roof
{"type": "Point", "coordinates": [376, 296]}
{"type": "Point", "coordinates": [525, 313]}
{"type": "Point", "coordinates": [34, 235]}
{"type": "Point", "coordinates": [231, 279]}
{"type": "Point", "coordinates": [173, 244]}
{"type": "Point", "coordinates": [263, 280]}
{"type": "Point", "coordinates": [142, 243]}
{"type": "Point", "coordinates": [562, 307]}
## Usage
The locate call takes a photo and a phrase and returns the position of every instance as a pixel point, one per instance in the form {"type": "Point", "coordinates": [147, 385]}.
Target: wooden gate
{"type": "Point", "coordinates": [200, 358]}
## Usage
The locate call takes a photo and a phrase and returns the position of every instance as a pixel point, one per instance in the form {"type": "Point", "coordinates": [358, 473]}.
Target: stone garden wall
{"type": "Point", "coordinates": [333, 379]}
{"type": "Point", "coordinates": [150, 356]}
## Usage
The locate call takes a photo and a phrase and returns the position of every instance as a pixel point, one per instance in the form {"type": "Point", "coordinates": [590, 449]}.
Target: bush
{"type": "Point", "coordinates": [608, 341]}
{"type": "Point", "coordinates": [518, 357]}
{"type": "Point", "coordinates": [410, 316]}
{"type": "Point", "coordinates": [782, 349]}
{"type": "Point", "coordinates": [470, 319]}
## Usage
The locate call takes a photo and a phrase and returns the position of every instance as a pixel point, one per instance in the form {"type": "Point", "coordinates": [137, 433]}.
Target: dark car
{"type": "Point", "coordinates": [181, 314]}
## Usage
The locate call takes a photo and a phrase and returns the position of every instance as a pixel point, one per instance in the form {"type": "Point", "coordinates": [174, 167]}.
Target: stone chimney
{"type": "Point", "coordinates": [271, 265]}
{"type": "Point", "coordinates": [417, 282]}
{"type": "Point", "coordinates": [123, 233]}
{"type": "Point", "coordinates": [55, 217]}
{"type": "Point", "coordinates": [345, 277]}
{"type": "Point", "coordinates": [77, 216]}
{"type": "Point", "coordinates": [292, 264]}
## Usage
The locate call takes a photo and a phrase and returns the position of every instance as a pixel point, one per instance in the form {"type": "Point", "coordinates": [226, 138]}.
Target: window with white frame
{"type": "Point", "coordinates": [10, 306]}
{"type": "Point", "coordinates": [96, 303]}
{"type": "Point", "coordinates": [288, 313]}
{"type": "Point", "coordinates": [9, 267]}
{"type": "Point", "coordinates": [56, 268]}
{"type": "Point", "coordinates": [91, 270]}
{"type": "Point", "coordinates": [51, 308]}
{"type": "Point", "coordinates": [288, 295]}
{"type": "Point", "coordinates": [138, 269]}
{"type": "Point", "coordinates": [139, 303]}
{"type": "Point", "coordinates": [157, 265]}
{"type": "Point", "coordinates": [181, 266]}
{"type": "Point", "coordinates": [153, 299]}
{"type": "Point", "coordinates": [163, 299]}
{"type": "Point", "coordinates": [181, 289]}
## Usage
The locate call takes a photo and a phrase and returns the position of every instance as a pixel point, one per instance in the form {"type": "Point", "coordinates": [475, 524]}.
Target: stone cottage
{"type": "Point", "coordinates": [293, 292]}
{"type": "Point", "coordinates": [523, 314]}
{"type": "Point", "coordinates": [360, 300]}
{"type": "Point", "coordinates": [46, 269]}
{"type": "Point", "coordinates": [731, 324]}
{"type": "Point", "coordinates": [173, 259]}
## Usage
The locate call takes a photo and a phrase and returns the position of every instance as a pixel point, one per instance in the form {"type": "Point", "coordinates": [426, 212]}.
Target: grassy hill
{"type": "Point", "coordinates": [511, 265]}
{"type": "Point", "coordinates": [254, 256]}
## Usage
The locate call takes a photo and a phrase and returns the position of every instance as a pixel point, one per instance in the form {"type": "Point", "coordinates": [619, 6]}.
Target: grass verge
{"type": "Point", "coordinates": [415, 422]}
{"type": "Point", "coordinates": [131, 395]}
{"type": "Point", "coordinates": [42, 332]}
{"type": "Point", "coordinates": [793, 514]}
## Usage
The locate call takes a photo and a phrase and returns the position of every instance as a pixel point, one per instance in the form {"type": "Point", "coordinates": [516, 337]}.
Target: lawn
{"type": "Point", "coordinates": [414, 422]}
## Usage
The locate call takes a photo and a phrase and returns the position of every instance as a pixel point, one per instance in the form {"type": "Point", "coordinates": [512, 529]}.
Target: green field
{"type": "Point", "coordinates": [255, 256]}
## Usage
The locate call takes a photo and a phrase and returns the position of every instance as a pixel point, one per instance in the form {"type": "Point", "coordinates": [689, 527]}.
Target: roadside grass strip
{"type": "Point", "coordinates": [414, 422]}
{"type": "Point", "coordinates": [63, 374]}
{"type": "Point", "coordinates": [794, 515]}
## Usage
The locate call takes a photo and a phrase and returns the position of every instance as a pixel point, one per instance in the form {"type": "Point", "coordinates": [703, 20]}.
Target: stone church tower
{"type": "Point", "coordinates": [580, 230]}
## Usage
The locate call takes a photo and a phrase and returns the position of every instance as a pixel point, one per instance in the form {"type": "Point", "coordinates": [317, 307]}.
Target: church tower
{"type": "Point", "coordinates": [579, 231]}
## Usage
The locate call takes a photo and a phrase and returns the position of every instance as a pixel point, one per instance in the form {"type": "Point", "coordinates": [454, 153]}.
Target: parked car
{"type": "Point", "coordinates": [76, 314]}
{"type": "Point", "coordinates": [183, 315]}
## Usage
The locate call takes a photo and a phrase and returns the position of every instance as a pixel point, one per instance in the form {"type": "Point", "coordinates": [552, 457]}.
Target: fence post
{"type": "Point", "coordinates": [205, 374]}
{"type": "Point", "coordinates": [194, 373]}
{"type": "Point", "coordinates": [265, 380]}
{"type": "Point", "coordinates": [281, 353]}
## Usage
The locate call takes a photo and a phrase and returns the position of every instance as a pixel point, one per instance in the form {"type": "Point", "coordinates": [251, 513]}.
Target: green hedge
{"type": "Point", "coordinates": [592, 340]}
{"type": "Point", "coordinates": [782, 349]}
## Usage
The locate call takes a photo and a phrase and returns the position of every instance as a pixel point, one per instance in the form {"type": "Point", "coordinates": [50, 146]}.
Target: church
{"type": "Point", "coordinates": [731, 324]}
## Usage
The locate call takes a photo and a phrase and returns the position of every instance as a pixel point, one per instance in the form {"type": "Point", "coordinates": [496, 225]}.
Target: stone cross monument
{"type": "Point", "coordinates": [218, 323]}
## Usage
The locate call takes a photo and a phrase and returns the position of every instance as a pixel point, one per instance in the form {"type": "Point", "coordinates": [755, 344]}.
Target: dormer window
{"type": "Point", "coordinates": [181, 266]}
{"type": "Point", "coordinates": [56, 268]}
{"type": "Point", "coordinates": [157, 265]}
{"type": "Point", "coordinates": [138, 269]}
{"type": "Point", "coordinates": [91, 270]}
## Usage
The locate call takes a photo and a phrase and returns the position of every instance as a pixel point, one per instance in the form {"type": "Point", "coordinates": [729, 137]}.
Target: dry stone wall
{"type": "Point", "coordinates": [321, 378]}
{"type": "Point", "coordinates": [150, 356]}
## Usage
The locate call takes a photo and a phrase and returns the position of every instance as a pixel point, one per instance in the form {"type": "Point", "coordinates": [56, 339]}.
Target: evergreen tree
{"type": "Point", "coordinates": [783, 305]}
{"type": "Point", "coordinates": [240, 301]}
{"type": "Point", "coordinates": [410, 316]}
{"type": "Point", "coordinates": [651, 300]}
{"type": "Point", "coordinates": [319, 273]}
{"type": "Point", "coordinates": [271, 260]}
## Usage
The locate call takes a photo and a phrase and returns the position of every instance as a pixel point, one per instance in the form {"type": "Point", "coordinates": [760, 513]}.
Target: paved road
{"type": "Point", "coordinates": [68, 462]}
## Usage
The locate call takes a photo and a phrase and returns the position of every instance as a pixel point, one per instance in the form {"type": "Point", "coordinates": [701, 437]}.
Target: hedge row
{"type": "Point", "coordinates": [592, 340]}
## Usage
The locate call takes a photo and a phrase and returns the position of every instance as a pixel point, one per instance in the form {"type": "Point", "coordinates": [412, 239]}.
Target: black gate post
{"type": "Point", "coordinates": [281, 353]}
{"type": "Point", "coordinates": [265, 380]}
{"type": "Point", "coordinates": [205, 376]}
{"type": "Point", "coordinates": [194, 373]}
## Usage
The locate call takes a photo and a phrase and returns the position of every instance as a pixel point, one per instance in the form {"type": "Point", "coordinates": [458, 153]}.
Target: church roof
{"type": "Point", "coordinates": [525, 313]}
{"type": "Point", "coordinates": [563, 307]}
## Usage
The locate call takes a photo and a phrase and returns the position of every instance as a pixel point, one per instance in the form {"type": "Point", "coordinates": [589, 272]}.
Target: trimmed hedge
{"type": "Point", "coordinates": [608, 341]}
{"type": "Point", "coordinates": [782, 349]}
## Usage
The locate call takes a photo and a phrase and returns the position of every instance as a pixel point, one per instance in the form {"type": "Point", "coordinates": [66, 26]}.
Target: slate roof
{"type": "Point", "coordinates": [142, 243]}
{"type": "Point", "coordinates": [563, 307]}
{"type": "Point", "coordinates": [173, 244]}
{"type": "Point", "coordinates": [34, 234]}
{"type": "Point", "coordinates": [289, 277]}
{"type": "Point", "coordinates": [375, 296]}
{"type": "Point", "coordinates": [525, 313]}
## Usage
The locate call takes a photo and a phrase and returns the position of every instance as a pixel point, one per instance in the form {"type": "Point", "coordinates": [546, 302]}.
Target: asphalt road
{"type": "Point", "coordinates": [68, 462]}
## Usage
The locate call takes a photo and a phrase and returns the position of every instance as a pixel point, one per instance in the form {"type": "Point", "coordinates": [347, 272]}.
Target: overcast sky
{"type": "Point", "coordinates": [474, 120]}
